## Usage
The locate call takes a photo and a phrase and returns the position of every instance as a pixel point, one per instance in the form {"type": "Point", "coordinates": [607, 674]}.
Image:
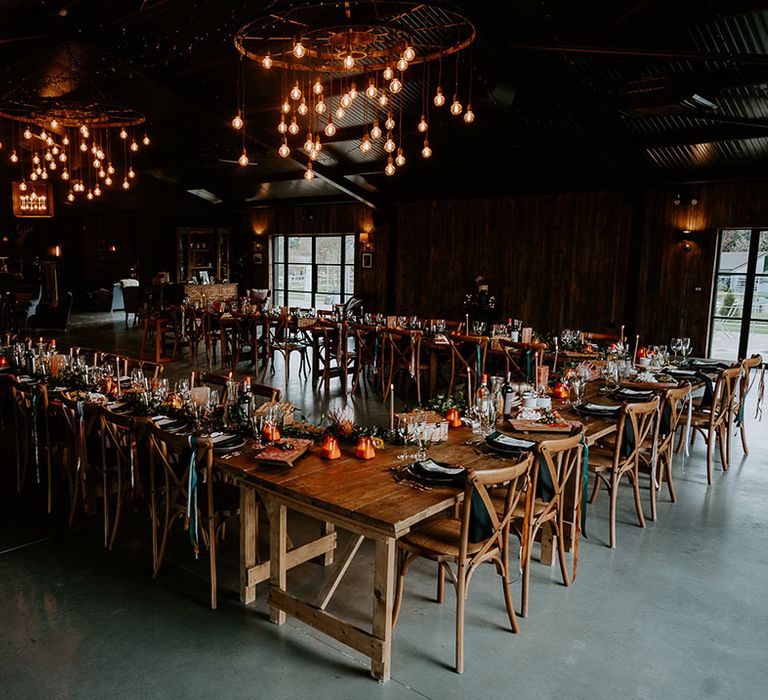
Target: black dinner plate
{"type": "Point", "coordinates": [496, 442]}
{"type": "Point", "coordinates": [581, 409]}
{"type": "Point", "coordinates": [229, 445]}
{"type": "Point", "coordinates": [430, 477]}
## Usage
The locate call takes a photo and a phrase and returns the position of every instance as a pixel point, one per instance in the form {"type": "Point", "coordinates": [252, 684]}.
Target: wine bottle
{"type": "Point", "coordinates": [508, 395]}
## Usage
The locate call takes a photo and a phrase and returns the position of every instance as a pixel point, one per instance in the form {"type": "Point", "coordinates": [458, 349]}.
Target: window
{"type": "Point", "coordinates": [313, 271]}
{"type": "Point", "coordinates": [740, 305]}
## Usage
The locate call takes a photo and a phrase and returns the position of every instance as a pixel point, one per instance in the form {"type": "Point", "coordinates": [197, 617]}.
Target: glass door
{"type": "Point", "coordinates": [739, 325]}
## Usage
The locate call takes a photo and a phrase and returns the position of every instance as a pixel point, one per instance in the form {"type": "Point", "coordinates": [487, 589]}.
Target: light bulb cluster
{"type": "Point", "coordinates": [326, 109]}
{"type": "Point", "coordinates": [80, 154]}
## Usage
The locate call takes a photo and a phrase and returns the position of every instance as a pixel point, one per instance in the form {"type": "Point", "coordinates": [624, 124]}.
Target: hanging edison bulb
{"type": "Point", "coordinates": [108, 181]}
{"type": "Point", "coordinates": [346, 100]}
{"type": "Point", "coordinates": [48, 156]}
{"type": "Point", "coordinates": [243, 159]}
{"type": "Point", "coordinates": [65, 174]}
{"type": "Point", "coordinates": [123, 133]}
{"type": "Point", "coordinates": [100, 153]}
{"type": "Point", "coordinates": [266, 62]}
{"type": "Point", "coordinates": [237, 122]}
{"type": "Point", "coordinates": [286, 107]}
{"type": "Point", "coordinates": [309, 174]}
{"type": "Point", "coordinates": [65, 140]}
{"type": "Point", "coordinates": [54, 123]}
{"type": "Point", "coordinates": [317, 88]}
{"type": "Point", "coordinates": [330, 127]}
{"type": "Point", "coordinates": [469, 115]}
{"type": "Point", "coordinates": [309, 144]}
{"type": "Point", "coordinates": [145, 140]}
{"type": "Point", "coordinates": [375, 130]}
{"type": "Point", "coordinates": [389, 144]}
{"type": "Point", "coordinates": [320, 105]}
{"type": "Point", "coordinates": [126, 184]}
{"type": "Point", "coordinates": [298, 50]}
{"type": "Point", "coordinates": [284, 151]}
{"type": "Point", "coordinates": [365, 143]}
{"type": "Point", "coordinates": [439, 97]}
{"type": "Point", "coordinates": [371, 90]}
{"type": "Point", "coordinates": [352, 91]}
{"type": "Point", "coordinates": [14, 157]}
{"type": "Point", "coordinates": [27, 134]}
{"type": "Point", "coordinates": [83, 146]}
{"type": "Point", "coordinates": [282, 127]}
{"type": "Point", "coordinates": [388, 73]}
{"type": "Point", "coordinates": [49, 141]}
{"type": "Point", "coordinates": [423, 126]}
{"type": "Point", "coordinates": [313, 154]}
{"type": "Point", "coordinates": [55, 150]}
{"type": "Point", "coordinates": [63, 157]}
{"type": "Point", "coordinates": [96, 163]}
{"type": "Point", "coordinates": [402, 65]}
{"type": "Point", "coordinates": [296, 92]}
{"type": "Point", "coordinates": [44, 175]}
{"type": "Point", "coordinates": [97, 190]}
{"type": "Point", "coordinates": [71, 196]}
{"type": "Point", "coordinates": [390, 169]}
{"type": "Point", "coordinates": [318, 145]}
{"type": "Point", "coordinates": [35, 158]}
{"type": "Point", "coordinates": [395, 86]}
{"type": "Point", "coordinates": [23, 186]}
{"type": "Point", "coordinates": [302, 109]}
{"type": "Point", "coordinates": [93, 149]}
{"type": "Point", "coordinates": [426, 152]}
{"type": "Point", "coordinates": [456, 106]}
{"type": "Point", "coordinates": [131, 174]}
{"type": "Point", "coordinates": [400, 160]}
{"type": "Point", "coordinates": [349, 61]}
{"type": "Point", "coordinates": [390, 123]}
{"type": "Point", "coordinates": [409, 54]}
{"type": "Point", "coordinates": [52, 165]}
{"type": "Point", "coordinates": [110, 169]}
{"type": "Point", "coordinates": [383, 99]}
{"type": "Point", "coordinates": [293, 128]}
{"type": "Point", "coordinates": [340, 113]}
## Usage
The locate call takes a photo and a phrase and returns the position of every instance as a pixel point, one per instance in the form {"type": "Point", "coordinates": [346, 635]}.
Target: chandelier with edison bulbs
{"type": "Point", "coordinates": [344, 70]}
{"type": "Point", "coordinates": [86, 145]}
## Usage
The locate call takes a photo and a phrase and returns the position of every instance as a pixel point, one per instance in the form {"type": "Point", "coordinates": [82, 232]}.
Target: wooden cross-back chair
{"type": "Point", "coordinates": [76, 427]}
{"type": "Point", "coordinates": [24, 414]}
{"type": "Point", "coordinates": [673, 405]}
{"type": "Point", "coordinates": [170, 498]}
{"type": "Point", "coordinates": [333, 356]}
{"type": "Point", "coordinates": [283, 340]}
{"type": "Point", "coordinates": [55, 439]}
{"type": "Point", "coordinates": [119, 468]}
{"type": "Point", "coordinates": [468, 353]}
{"type": "Point", "coordinates": [231, 341]}
{"type": "Point", "coordinates": [520, 357]}
{"type": "Point", "coordinates": [562, 460]}
{"type": "Point", "coordinates": [609, 465]}
{"type": "Point", "coordinates": [365, 353]}
{"type": "Point", "coordinates": [748, 365]}
{"type": "Point", "coordinates": [445, 540]}
{"type": "Point", "coordinates": [400, 351]}
{"type": "Point", "coordinates": [715, 422]}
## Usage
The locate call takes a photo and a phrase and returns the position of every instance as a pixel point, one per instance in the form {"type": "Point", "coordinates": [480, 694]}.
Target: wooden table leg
{"type": "Point", "coordinates": [278, 544]}
{"type": "Point", "coordinates": [248, 545]}
{"type": "Point", "coordinates": [547, 545]}
{"type": "Point", "coordinates": [383, 597]}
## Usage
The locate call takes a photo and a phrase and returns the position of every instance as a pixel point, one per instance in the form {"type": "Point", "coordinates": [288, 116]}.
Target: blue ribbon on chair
{"type": "Point", "coordinates": [479, 362]}
{"type": "Point", "coordinates": [192, 497]}
{"type": "Point", "coordinates": [584, 485]}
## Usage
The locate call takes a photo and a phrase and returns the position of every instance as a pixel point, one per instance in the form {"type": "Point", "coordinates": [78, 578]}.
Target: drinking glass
{"type": "Point", "coordinates": [213, 399]}
{"type": "Point", "coordinates": [676, 345]}
{"type": "Point", "coordinates": [420, 434]}
{"type": "Point", "coordinates": [407, 433]}
{"type": "Point", "coordinates": [181, 387]}
{"type": "Point", "coordinates": [577, 386]}
{"type": "Point", "coordinates": [440, 325]}
{"type": "Point", "coordinates": [162, 387]}
{"type": "Point", "coordinates": [686, 347]}
{"type": "Point", "coordinates": [137, 378]}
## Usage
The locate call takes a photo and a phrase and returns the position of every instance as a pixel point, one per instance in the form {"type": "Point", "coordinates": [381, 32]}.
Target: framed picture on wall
{"type": "Point", "coordinates": [258, 258]}
{"type": "Point", "coordinates": [366, 260]}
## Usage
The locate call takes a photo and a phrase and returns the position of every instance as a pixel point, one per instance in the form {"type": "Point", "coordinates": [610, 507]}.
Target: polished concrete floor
{"type": "Point", "coordinates": [678, 610]}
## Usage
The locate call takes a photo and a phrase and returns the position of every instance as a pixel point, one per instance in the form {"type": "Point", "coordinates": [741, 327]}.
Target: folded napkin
{"type": "Point", "coordinates": [507, 441]}
{"type": "Point", "coordinates": [635, 392]}
{"type": "Point", "coordinates": [682, 372]}
{"type": "Point", "coordinates": [219, 438]}
{"type": "Point", "coordinates": [432, 467]}
{"type": "Point", "coordinates": [600, 408]}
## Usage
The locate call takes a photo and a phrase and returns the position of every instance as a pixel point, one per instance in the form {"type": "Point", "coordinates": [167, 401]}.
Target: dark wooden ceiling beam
{"type": "Point", "coordinates": [704, 134]}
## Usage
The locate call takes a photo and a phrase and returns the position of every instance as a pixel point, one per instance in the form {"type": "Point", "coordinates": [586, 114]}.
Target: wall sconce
{"type": "Point", "coordinates": [686, 239]}
{"type": "Point", "coordinates": [366, 241]}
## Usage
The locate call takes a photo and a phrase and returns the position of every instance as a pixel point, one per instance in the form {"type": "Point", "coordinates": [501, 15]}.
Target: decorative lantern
{"type": "Point", "coordinates": [453, 417]}
{"type": "Point", "coordinates": [331, 448]}
{"type": "Point", "coordinates": [560, 391]}
{"type": "Point", "coordinates": [364, 448]}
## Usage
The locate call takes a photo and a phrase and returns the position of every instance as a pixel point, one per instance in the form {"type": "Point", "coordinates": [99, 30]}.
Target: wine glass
{"type": "Point", "coordinates": [686, 347]}
{"type": "Point", "coordinates": [677, 345]}
{"type": "Point", "coordinates": [577, 387]}
{"type": "Point", "coordinates": [420, 435]}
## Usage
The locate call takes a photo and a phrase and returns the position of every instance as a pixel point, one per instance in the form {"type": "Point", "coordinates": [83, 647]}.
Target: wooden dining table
{"type": "Point", "coordinates": [361, 497]}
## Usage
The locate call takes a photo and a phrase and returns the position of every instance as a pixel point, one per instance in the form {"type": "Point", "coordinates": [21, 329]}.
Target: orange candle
{"type": "Point", "coordinates": [270, 432]}
{"type": "Point", "coordinates": [365, 449]}
{"type": "Point", "coordinates": [453, 417]}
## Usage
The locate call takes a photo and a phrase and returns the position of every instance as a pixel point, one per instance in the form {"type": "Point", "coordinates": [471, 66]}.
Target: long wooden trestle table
{"type": "Point", "coordinates": [360, 497]}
